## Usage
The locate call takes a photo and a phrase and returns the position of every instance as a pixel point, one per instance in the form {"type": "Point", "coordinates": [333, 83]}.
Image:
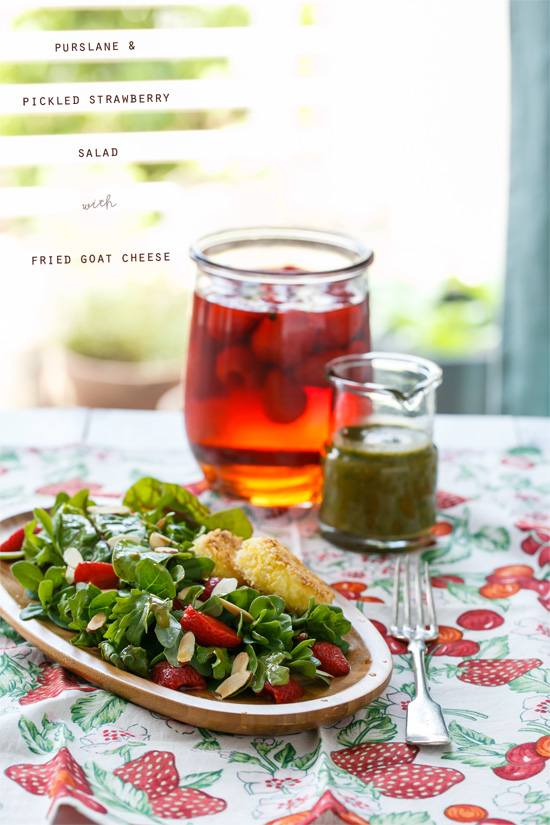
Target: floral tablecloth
{"type": "Point", "coordinates": [68, 743]}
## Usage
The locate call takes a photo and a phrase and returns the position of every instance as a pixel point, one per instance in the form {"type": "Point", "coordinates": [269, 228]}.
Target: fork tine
{"type": "Point", "coordinates": [418, 593]}
{"type": "Point", "coordinates": [407, 593]}
{"type": "Point", "coordinates": [431, 617]}
{"type": "Point", "coordinates": [395, 607]}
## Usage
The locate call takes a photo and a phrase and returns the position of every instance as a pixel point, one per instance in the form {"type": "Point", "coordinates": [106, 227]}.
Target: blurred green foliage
{"type": "Point", "coordinates": [138, 322]}
{"type": "Point", "coordinates": [452, 320]}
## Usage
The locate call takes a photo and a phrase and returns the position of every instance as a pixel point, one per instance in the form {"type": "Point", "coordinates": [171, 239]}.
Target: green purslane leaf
{"type": "Point", "coordinates": [154, 578]}
{"type": "Point", "coordinates": [72, 529]}
{"type": "Point", "coordinates": [156, 498]}
{"type": "Point", "coordinates": [27, 574]}
{"type": "Point", "coordinates": [44, 518]}
{"type": "Point", "coordinates": [35, 610]}
{"type": "Point", "coordinates": [217, 658]}
{"type": "Point", "coordinates": [110, 524]}
{"type": "Point", "coordinates": [153, 497]}
{"type": "Point", "coordinates": [168, 636]}
{"type": "Point", "coordinates": [45, 592]}
{"type": "Point", "coordinates": [134, 659]}
{"type": "Point", "coordinates": [56, 574]}
{"type": "Point", "coordinates": [326, 623]}
{"type": "Point", "coordinates": [233, 520]}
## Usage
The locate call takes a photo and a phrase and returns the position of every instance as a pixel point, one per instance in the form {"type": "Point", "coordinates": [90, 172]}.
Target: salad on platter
{"type": "Point", "coordinates": [171, 592]}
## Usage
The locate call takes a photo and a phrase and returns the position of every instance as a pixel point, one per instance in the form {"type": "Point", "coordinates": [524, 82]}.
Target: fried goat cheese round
{"type": "Point", "coordinates": [220, 546]}
{"type": "Point", "coordinates": [270, 567]}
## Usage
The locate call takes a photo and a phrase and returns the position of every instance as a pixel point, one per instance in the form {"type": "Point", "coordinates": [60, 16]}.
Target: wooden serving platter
{"type": "Point", "coordinates": [369, 656]}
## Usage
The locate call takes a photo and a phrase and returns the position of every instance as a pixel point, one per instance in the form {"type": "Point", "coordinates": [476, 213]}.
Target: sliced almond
{"type": "Point", "coordinates": [324, 673]}
{"type": "Point", "coordinates": [69, 575]}
{"type": "Point", "coordinates": [183, 593]}
{"type": "Point", "coordinates": [72, 557]}
{"type": "Point", "coordinates": [158, 540]}
{"type": "Point", "coordinates": [161, 522]}
{"type": "Point", "coordinates": [96, 622]}
{"type": "Point", "coordinates": [109, 509]}
{"type": "Point", "coordinates": [132, 536]}
{"type": "Point", "coordinates": [186, 648]}
{"type": "Point", "coordinates": [233, 683]}
{"type": "Point", "coordinates": [225, 586]}
{"type": "Point", "coordinates": [240, 662]}
{"type": "Point", "coordinates": [236, 610]}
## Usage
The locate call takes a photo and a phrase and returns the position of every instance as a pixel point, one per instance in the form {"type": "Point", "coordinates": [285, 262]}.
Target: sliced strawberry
{"type": "Point", "coordinates": [185, 803]}
{"type": "Point", "coordinates": [412, 781]}
{"type": "Point", "coordinates": [14, 543]}
{"type": "Point", "coordinates": [100, 573]}
{"type": "Point", "coordinates": [290, 692]}
{"type": "Point", "coordinates": [360, 759]}
{"type": "Point", "coordinates": [495, 672]}
{"type": "Point", "coordinates": [51, 682]}
{"type": "Point", "coordinates": [332, 659]}
{"type": "Point", "coordinates": [153, 771]}
{"type": "Point", "coordinates": [166, 675]}
{"type": "Point", "coordinates": [208, 630]}
{"type": "Point", "coordinates": [209, 586]}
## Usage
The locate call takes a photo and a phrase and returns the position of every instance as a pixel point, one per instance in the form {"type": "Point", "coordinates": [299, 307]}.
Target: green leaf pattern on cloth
{"type": "Point", "coordinates": [73, 743]}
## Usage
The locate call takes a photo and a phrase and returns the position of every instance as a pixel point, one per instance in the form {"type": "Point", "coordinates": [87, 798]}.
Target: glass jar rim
{"type": "Point", "coordinates": [201, 250]}
{"type": "Point", "coordinates": [430, 373]}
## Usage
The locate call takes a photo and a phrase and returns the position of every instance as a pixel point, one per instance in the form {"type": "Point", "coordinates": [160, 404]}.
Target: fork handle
{"type": "Point", "coordinates": [425, 723]}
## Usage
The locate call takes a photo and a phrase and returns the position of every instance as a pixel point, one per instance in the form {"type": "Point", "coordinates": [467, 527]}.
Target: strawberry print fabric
{"type": "Point", "coordinates": [68, 743]}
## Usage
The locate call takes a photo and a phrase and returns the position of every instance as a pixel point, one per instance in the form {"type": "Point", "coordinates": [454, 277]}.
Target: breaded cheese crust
{"type": "Point", "coordinates": [271, 568]}
{"type": "Point", "coordinates": [220, 546]}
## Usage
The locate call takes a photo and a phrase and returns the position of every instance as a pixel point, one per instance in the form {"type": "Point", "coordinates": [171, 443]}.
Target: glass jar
{"type": "Point", "coordinates": [380, 463]}
{"type": "Point", "coordinates": [271, 307]}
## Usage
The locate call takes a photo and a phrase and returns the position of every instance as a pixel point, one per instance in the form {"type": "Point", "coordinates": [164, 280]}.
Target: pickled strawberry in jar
{"type": "Point", "coordinates": [271, 308]}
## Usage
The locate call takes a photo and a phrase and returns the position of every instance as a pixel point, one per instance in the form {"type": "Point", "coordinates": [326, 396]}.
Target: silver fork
{"type": "Point", "coordinates": [425, 723]}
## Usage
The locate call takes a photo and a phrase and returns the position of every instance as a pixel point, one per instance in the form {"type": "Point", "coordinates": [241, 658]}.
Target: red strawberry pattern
{"type": "Point", "coordinates": [155, 774]}
{"type": "Point", "coordinates": [446, 500]}
{"type": "Point", "coordinates": [361, 759]}
{"type": "Point", "coordinates": [492, 589]}
{"type": "Point", "coordinates": [413, 781]}
{"type": "Point", "coordinates": [72, 486]}
{"type": "Point", "coordinates": [327, 804]}
{"type": "Point", "coordinates": [53, 681]}
{"type": "Point", "coordinates": [495, 672]}
{"type": "Point", "coordinates": [60, 776]}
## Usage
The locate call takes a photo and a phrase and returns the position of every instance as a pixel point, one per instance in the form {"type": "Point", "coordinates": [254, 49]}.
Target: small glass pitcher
{"type": "Point", "coordinates": [380, 465]}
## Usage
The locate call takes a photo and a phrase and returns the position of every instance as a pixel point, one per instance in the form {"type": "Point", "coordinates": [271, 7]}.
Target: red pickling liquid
{"type": "Point", "coordinates": [257, 405]}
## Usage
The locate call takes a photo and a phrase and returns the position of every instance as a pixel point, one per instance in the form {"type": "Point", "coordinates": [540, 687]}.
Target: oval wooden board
{"type": "Point", "coordinates": [369, 656]}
